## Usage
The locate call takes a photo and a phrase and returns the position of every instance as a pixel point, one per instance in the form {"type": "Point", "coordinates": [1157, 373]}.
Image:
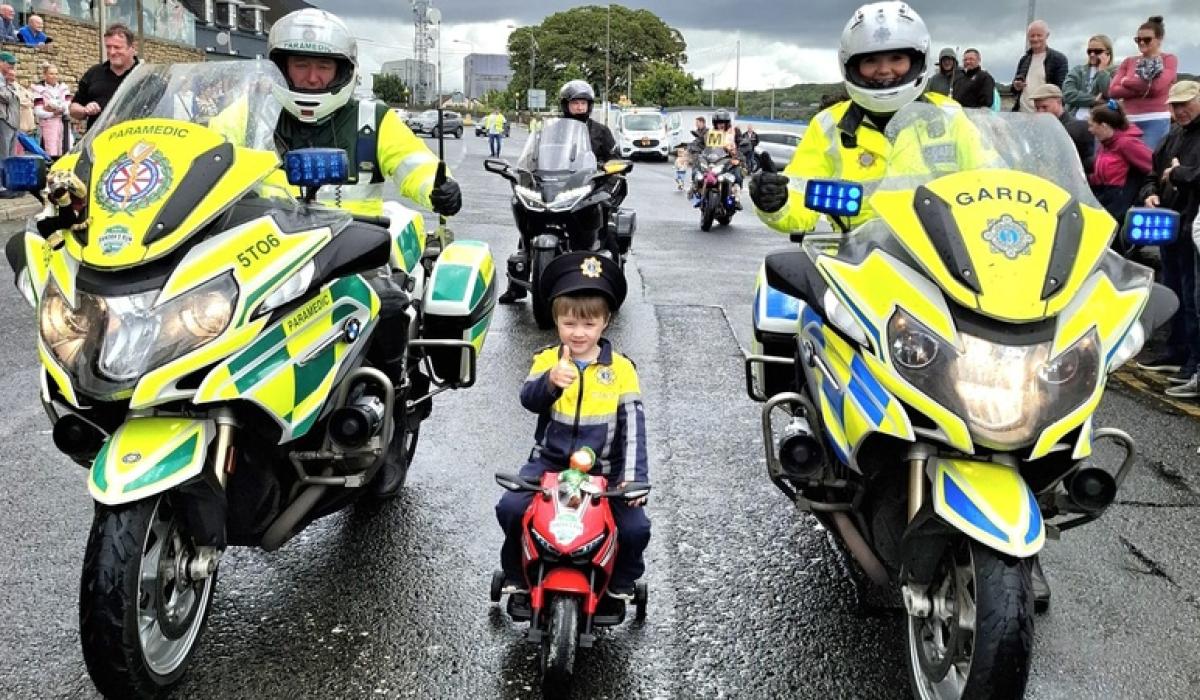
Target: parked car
{"type": "Point", "coordinates": [481, 131]}
{"type": "Point", "coordinates": [402, 113]}
{"type": "Point", "coordinates": [780, 144]}
{"type": "Point", "coordinates": [427, 123]}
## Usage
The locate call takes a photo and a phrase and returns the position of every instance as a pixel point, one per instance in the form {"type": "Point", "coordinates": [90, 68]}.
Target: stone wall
{"type": "Point", "coordinates": [76, 47]}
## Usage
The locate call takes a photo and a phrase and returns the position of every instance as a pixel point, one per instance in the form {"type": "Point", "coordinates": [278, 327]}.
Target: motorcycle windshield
{"type": "Point", "coordinates": [929, 142]}
{"type": "Point", "coordinates": [233, 98]}
{"type": "Point", "coordinates": [562, 148]}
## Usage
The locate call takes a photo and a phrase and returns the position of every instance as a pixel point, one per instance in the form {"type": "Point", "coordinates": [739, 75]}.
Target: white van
{"type": "Point", "coordinates": [642, 132]}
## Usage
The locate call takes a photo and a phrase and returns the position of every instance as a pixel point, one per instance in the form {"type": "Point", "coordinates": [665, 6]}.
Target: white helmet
{"type": "Point", "coordinates": [317, 33]}
{"type": "Point", "coordinates": [884, 27]}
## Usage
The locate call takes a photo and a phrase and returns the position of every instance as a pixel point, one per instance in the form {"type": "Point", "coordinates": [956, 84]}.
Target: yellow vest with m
{"type": "Point", "coordinates": [841, 144]}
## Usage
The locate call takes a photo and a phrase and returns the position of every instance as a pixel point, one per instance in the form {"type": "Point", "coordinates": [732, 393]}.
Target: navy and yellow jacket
{"type": "Point", "coordinates": [601, 410]}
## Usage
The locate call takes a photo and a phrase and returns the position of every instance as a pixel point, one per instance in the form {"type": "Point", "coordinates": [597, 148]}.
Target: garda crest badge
{"type": "Point", "coordinates": [135, 180]}
{"type": "Point", "coordinates": [1008, 237]}
{"type": "Point", "coordinates": [590, 268]}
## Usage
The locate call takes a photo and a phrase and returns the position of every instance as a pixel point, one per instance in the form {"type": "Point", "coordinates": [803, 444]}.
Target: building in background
{"type": "Point", "coordinates": [235, 29]}
{"type": "Point", "coordinates": [484, 72]}
{"type": "Point", "coordinates": [414, 74]}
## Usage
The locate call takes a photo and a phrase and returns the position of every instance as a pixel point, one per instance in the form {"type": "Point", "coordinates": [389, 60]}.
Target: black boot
{"type": "Point", "coordinates": [1041, 587]}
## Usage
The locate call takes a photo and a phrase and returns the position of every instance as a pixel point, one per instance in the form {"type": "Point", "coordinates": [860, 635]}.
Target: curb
{"type": "Point", "coordinates": [1152, 385]}
{"type": "Point", "coordinates": [19, 209]}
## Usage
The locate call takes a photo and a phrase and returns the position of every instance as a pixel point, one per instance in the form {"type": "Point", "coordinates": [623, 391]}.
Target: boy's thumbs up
{"type": "Point", "coordinates": [566, 353]}
{"type": "Point", "coordinates": [564, 373]}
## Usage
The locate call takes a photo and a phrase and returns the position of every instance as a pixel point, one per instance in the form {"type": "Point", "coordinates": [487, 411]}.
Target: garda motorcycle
{"type": "Point", "coordinates": [930, 380]}
{"type": "Point", "coordinates": [712, 182]}
{"type": "Point", "coordinates": [227, 363]}
{"type": "Point", "coordinates": [568, 551]}
{"type": "Point", "coordinates": [563, 201]}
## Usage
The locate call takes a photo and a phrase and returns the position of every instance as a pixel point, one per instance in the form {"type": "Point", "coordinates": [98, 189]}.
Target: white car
{"type": "Point", "coordinates": [402, 113]}
{"type": "Point", "coordinates": [780, 144]}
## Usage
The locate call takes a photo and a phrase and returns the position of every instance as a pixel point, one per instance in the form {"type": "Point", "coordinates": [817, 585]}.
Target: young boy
{"type": "Point", "coordinates": [682, 163]}
{"type": "Point", "coordinates": [585, 289]}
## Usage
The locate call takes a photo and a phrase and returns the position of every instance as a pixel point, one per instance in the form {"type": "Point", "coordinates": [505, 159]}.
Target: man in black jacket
{"type": "Point", "coordinates": [1174, 183]}
{"type": "Point", "coordinates": [976, 88]}
{"type": "Point", "coordinates": [949, 74]}
{"type": "Point", "coordinates": [1048, 99]}
{"type": "Point", "coordinates": [1041, 65]}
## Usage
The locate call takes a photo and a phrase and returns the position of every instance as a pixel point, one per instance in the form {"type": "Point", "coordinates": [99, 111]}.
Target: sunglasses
{"type": "Point", "coordinates": [1143, 39]}
{"type": "Point", "coordinates": [1096, 52]}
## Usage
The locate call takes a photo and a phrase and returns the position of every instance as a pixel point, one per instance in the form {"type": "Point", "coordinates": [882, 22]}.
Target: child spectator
{"type": "Point", "coordinates": [50, 110]}
{"type": "Point", "coordinates": [1122, 160]}
{"type": "Point", "coordinates": [682, 164]}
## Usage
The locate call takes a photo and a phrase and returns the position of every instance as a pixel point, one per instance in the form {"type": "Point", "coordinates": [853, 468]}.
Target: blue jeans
{"type": "Point", "coordinates": [633, 530]}
{"type": "Point", "coordinates": [494, 143]}
{"type": "Point", "coordinates": [1179, 275]}
{"type": "Point", "coordinates": [1154, 131]}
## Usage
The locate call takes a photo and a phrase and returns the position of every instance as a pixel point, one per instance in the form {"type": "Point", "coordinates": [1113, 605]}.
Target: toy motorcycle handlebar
{"type": "Point", "coordinates": [630, 491]}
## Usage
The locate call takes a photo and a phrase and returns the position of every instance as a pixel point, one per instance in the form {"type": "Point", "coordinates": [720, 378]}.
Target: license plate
{"type": "Point", "coordinates": [645, 142]}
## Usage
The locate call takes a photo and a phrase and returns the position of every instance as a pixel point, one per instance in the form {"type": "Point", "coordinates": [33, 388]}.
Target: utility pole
{"type": "Point", "coordinates": [607, 54]}
{"type": "Point", "coordinates": [532, 66]}
{"type": "Point", "coordinates": [629, 85]}
{"type": "Point", "coordinates": [737, 78]}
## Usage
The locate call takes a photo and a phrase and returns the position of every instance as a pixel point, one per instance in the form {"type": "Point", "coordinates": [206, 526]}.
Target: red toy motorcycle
{"type": "Point", "coordinates": [568, 548]}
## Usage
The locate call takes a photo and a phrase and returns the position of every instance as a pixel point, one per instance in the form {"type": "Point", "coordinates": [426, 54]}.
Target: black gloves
{"type": "Point", "coordinates": [768, 188]}
{"type": "Point", "coordinates": [446, 196]}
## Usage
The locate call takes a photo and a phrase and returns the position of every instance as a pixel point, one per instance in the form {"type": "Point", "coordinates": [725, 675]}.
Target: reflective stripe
{"type": "Point", "coordinates": [832, 141]}
{"type": "Point", "coordinates": [632, 439]}
{"type": "Point", "coordinates": [366, 124]}
{"type": "Point", "coordinates": [411, 162]}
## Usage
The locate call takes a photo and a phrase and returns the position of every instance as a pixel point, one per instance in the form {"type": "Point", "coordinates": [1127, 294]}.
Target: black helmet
{"type": "Point", "coordinates": [576, 90]}
{"type": "Point", "coordinates": [719, 116]}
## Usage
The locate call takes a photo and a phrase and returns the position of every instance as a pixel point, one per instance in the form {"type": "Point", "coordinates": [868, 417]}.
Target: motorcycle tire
{"type": "Point", "coordinates": [724, 219]}
{"type": "Point", "coordinates": [708, 210]}
{"type": "Point", "coordinates": [993, 660]}
{"type": "Point", "coordinates": [541, 305]}
{"type": "Point", "coordinates": [138, 640]}
{"type": "Point", "coordinates": [458, 133]}
{"type": "Point", "coordinates": [559, 643]}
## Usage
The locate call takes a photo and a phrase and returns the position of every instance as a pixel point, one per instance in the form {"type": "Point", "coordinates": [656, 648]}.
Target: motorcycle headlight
{"type": "Point", "coordinates": [567, 199]}
{"type": "Point", "coordinates": [1007, 394]}
{"type": "Point", "coordinates": [67, 328]}
{"type": "Point", "coordinates": [140, 335]}
{"type": "Point", "coordinates": [590, 547]}
{"type": "Point", "coordinates": [543, 542]}
{"type": "Point", "coordinates": [530, 197]}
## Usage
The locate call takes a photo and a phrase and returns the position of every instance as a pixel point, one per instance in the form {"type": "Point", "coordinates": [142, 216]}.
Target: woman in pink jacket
{"type": "Point", "coordinates": [1142, 83]}
{"type": "Point", "coordinates": [1122, 159]}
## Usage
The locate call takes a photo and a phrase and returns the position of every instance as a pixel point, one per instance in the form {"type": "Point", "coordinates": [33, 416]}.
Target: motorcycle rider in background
{"type": "Point", "coordinates": [735, 142]}
{"type": "Point", "coordinates": [318, 56]}
{"type": "Point", "coordinates": [883, 71]}
{"type": "Point", "coordinates": [575, 101]}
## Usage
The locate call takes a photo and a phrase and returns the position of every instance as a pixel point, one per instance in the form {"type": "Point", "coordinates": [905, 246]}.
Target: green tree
{"type": "Point", "coordinates": [665, 85]}
{"type": "Point", "coordinates": [571, 44]}
{"type": "Point", "coordinates": [390, 88]}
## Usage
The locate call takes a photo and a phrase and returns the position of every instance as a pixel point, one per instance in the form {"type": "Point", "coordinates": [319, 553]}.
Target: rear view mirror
{"type": "Point", "coordinates": [24, 173]}
{"type": "Point", "coordinates": [834, 197]}
{"type": "Point", "coordinates": [1147, 226]}
{"type": "Point", "coordinates": [500, 167]}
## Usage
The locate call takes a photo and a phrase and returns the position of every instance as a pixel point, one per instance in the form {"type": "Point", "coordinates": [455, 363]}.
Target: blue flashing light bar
{"type": "Point", "coordinates": [24, 173]}
{"type": "Point", "coordinates": [836, 197]}
{"type": "Point", "coordinates": [1146, 226]}
{"type": "Point", "coordinates": [314, 167]}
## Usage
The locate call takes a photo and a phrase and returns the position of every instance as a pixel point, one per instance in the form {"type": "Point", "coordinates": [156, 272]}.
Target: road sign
{"type": "Point", "coordinates": [537, 99]}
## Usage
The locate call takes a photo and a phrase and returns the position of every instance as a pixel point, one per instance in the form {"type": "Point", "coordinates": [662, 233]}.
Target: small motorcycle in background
{"type": "Point", "coordinates": [714, 178]}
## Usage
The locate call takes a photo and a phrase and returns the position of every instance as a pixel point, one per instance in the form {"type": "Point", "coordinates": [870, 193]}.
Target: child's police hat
{"type": "Point", "coordinates": [574, 273]}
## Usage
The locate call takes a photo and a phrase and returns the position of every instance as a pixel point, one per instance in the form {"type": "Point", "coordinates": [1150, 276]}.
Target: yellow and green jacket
{"type": "Point", "coordinates": [601, 410]}
{"type": "Point", "coordinates": [400, 157]}
{"type": "Point", "coordinates": [840, 143]}
{"type": "Point", "coordinates": [494, 124]}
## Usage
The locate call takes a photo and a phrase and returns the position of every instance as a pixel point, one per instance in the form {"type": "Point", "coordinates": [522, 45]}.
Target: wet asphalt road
{"type": "Point", "coordinates": [748, 599]}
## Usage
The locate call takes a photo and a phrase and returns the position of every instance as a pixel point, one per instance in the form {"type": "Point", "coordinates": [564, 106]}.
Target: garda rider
{"type": "Point", "coordinates": [883, 56]}
{"type": "Point", "coordinates": [319, 59]}
{"type": "Point", "coordinates": [318, 56]}
{"type": "Point", "coordinates": [575, 100]}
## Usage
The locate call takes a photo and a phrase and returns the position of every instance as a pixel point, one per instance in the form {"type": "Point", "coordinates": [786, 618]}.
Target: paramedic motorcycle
{"type": "Point", "coordinates": [228, 366]}
{"type": "Point", "coordinates": [562, 202]}
{"type": "Point", "coordinates": [931, 379]}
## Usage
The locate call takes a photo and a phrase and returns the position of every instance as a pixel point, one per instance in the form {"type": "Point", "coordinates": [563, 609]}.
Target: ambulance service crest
{"type": "Point", "coordinates": [134, 181]}
{"type": "Point", "coordinates": [115, 239]}
{"type": "Point", "coordinates": [1008, 237]}
{"type": "Point", "coordinates": [590, 268]}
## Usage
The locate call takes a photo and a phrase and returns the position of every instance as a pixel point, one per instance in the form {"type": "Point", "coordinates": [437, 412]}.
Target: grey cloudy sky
{"type": "Point", "coordinates": [782, 42]}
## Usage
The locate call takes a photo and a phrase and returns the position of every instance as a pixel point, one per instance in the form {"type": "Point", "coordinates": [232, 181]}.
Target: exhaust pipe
{"type": "Point", "coordinates": [1092, 489]}
{"type": "Point", "coordinates": [77, 438]}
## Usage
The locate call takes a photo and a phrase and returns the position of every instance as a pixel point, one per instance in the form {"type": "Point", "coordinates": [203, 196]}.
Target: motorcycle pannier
{"type": "Point", "coordinates": [458, 304]}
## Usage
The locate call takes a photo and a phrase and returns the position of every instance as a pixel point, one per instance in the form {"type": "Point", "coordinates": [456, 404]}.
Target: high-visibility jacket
{"type": "Point", "coordinates": [840, 143]}
{"type": "Point", "coordinates": [602, 410]}
{"type": "Point", "coordinates": [494, 124]}
{"type": "Point", "coordinates": [384, 154]}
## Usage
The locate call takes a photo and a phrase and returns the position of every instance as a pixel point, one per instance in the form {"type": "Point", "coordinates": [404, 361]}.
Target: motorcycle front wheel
{"type": "Point", "coordinates": [559, 642]}
{"type": "Point", "coordinates": [977, 641]}
{"type": "Point", "coordinates": [541, 305]}
{"type": "Point", "coordinates": [139, 620]}
{"type": "Point", "coordinates": [708, 210]}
